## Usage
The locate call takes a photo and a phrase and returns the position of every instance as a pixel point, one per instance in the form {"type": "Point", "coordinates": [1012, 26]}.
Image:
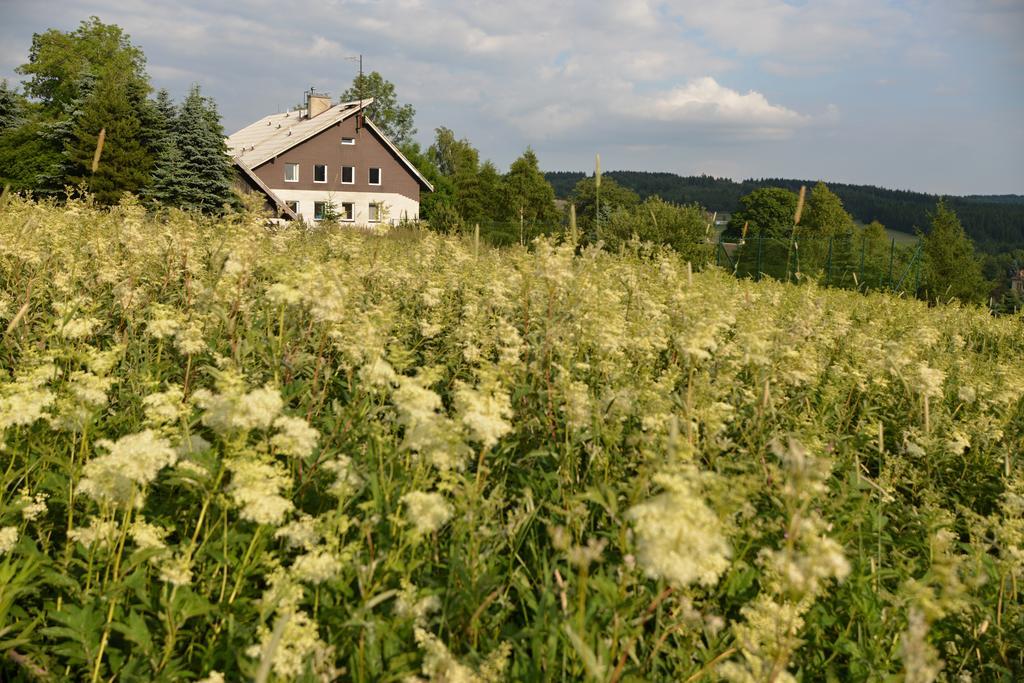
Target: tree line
{"type": "Point", "coordinates": [86, 119]}
{"type": "Point", "coordinates": [995, 223]}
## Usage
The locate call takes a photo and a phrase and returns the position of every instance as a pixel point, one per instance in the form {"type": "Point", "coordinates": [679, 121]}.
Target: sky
{"type": "Point", "coordinates": [919, 95]}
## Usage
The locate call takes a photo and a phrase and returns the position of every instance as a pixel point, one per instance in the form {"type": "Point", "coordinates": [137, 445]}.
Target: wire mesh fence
{"type": "Point", "coordinates": [833, 261]}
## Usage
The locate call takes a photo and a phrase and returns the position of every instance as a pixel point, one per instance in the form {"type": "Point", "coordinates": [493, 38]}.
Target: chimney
{"type": "Point", "coordinates": [316, 103]}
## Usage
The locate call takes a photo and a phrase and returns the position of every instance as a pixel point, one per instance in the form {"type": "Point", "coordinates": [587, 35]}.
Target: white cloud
{"type": "Point", "coordinates": [705, 101]}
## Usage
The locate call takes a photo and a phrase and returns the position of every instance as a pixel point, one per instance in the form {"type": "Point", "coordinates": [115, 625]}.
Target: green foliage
{"type": "Point", "coordinates": [767, 212]}
{"type": "Point", "coordinates": [528, 196]}
{"type": "Point", "coordinates": [62, 64]}
{"type": "Point", "coordinates": [113, 106]}
{"type": "Point", "coordinates": [994, 222]}
{"type": "Point", "coordinates": [683, 228]}
{"type": "Point", "coordinates": [394, 119]}
{"type": "Point", "coordinates": [952, 269]}
{"type": "Point", "coordinates": [13, 108]}
{"type": "Point", "coordinates": [205, 180]}
{"type": "Point", "coordinates": [168, 184]}
{"type": "Point", "coordinates": [613, 196]}
{"type": "Point", "coordinates": [379, 457]}
{"type": "Point", "coordinates": [823, 215]}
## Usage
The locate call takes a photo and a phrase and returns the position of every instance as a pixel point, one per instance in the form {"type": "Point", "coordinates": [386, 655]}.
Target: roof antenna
{"type": "Point", "coordinates": [359, 91]}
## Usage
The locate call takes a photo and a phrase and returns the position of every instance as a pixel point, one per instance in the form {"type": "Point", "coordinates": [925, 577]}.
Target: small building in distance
{"type": "Point", "coordinates": [327, 160]}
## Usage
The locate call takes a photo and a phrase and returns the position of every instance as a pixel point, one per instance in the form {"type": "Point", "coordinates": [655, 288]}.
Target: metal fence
{"type": "Point", "coordinates": [849, 262]}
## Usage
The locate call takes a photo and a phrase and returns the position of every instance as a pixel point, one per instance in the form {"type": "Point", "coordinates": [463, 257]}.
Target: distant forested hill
{"type": "Point", "coordinates": [995, 223]}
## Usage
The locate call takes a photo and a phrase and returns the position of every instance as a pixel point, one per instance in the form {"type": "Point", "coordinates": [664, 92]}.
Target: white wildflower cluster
{"type": "Point", "coordinates": [295, 437]}
{"type": "Point", "coordinates": [163, 321]}
{"type": "Point", "coordinates": [928, 381]}
{"type": "Point", "coordinates": [32, 505]}
{"type": "Point", "coordinates": [233, 410]}
{"type": "Point", "coordinates": [165, 407]}
{"type": "Point", "coordinates": [441, 666]}
{"type": "Point", "coordinates": [921, 663]}
{"type": "Point", "coordinates": [176, 570]}
{"type": "Point", "coordinates": [316, 566]}
{"type": "Point", "coordinates": [256, 487]}
{"type": "Point", "coordinates": [147, 536]}
{"type": "Point", "coordinates": [426, 512]}
{"type": "Point", "coordinates": [80, 328]}
{"type": "Point", "coordinates": [678, 537]}
{"type": "Point", "coordinates": [25, 400]}
{"type": "Point", "coordinates": [766, 637]}
{"type": "Point", "coordinates": [131, 463]}
{"type": "Point", "coordinates": [8, 539]}
{"type": "Point", "coordinates": [794, 575]}
{"type": "Point", "coordinates": [282, 294]}
{"type": "Point", "coordinates": [301, 532]}
{"type": "Point", "coordinates": [99, 532]}
{"type": "Point", "coordinates": [485, 410]}
{"type": "Point", "coordinates": [189, 339]}
{"type": "Point", "coordinates": [378, 373]}
{"type": "Point", "coordinates": [409, 604]}
{"type": "Point", "coordinates": [85, 393]}
{"type": "Point", "coordinates": [346, 477]}
{"type": "Point", "coordinates": [428, 431]}
{"type": "Point", "coordinates": [294, 646]}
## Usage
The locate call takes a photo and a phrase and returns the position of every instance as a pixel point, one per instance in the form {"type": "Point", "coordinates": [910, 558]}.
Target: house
{"type": "Point", "coordinates": [327, 159]}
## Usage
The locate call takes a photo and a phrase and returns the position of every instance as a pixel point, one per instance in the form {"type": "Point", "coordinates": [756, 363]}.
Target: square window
{"type": "Point", "coordinates": [374, 213]}
{"type": "Point", "coordinates": [348, 141]}
{"type": "Point", "coordinates": [294, 206]}
{"type": "Point", "coordinates": [375, 176]}
{"type": "Point", "coordinates": [347, 211]}
{"type": "Point", "coordinates": [320, 173]}
{"type": "Point", "coordinates": [291, 173]}
{"type": "Point", "coordinates": [318, 210]}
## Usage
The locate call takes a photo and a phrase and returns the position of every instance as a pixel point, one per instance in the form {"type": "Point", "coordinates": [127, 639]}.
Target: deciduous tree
{"type": "Point", "coordinates": [395, 119]}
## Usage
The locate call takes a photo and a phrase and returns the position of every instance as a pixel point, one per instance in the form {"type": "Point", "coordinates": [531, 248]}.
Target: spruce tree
{"type": "Point", "coordinates": [951, 267]}
{"type": "Point", "coordinates": [167, 185]}
{"type": "Point", "coordinates": [113, 105]}
{"type": "Point", "coordinates": [207, 181]}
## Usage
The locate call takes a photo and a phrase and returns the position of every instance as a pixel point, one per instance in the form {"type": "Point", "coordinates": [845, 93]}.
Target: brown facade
{"type": "Point", "coordinates": [369, 151]}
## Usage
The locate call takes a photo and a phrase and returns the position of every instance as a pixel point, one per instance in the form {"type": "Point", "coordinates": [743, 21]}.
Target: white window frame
{"type": "Point", "coordinates": [295, 210]}
{"type": "Point", "coordinates": [296, 178]}
{"type": "Point", "coordinates": [351, 182]}
{"type": "Point", "coordinates": [323, 166]}
{"type": "Point", "coordinates": [348, 141]}
{"type": "Point", "coordinates": [380, 176]}
{"type": "Point", "coordinates": [371, 212]}
{"type": "Point", "coordinates": [351, 214]}
{"type": "Point", "coordinates": [323, 206]}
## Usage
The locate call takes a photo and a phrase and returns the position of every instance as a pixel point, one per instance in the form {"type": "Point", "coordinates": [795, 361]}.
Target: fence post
{"type": "Point", "coordinates": [760, 242]}
{"type": "Point", "coordinates": [828, 264]}
{"type": "Point", "coordinates": [892, 255]}
{"type": "Point", "coordinates": [860, 271]}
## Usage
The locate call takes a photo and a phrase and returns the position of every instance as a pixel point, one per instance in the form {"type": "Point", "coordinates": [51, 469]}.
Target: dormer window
{"type": "Point", "coordinates": [374, 176]}
{"type": "Point", "coordinates": [291, 173]}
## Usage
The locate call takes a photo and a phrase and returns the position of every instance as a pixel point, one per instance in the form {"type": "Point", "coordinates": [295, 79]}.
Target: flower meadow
{"type": "Point", "coordinates": [231, 453]}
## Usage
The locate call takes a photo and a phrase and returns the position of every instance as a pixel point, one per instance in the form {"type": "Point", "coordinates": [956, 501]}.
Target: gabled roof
{"type": "Point", "coordinates": [273, 135]}
{"type": "Point", "coordinates": [281, 206]}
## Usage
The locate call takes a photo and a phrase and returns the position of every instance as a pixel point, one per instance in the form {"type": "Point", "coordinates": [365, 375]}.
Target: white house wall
{"type": "Point", "coordinates": [397, 206]}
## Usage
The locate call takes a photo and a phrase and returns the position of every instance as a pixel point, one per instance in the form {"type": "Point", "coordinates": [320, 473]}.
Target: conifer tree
{"type": "Point", "coordinates": [528, 194]}
{"type": "Point", "coordinates": [114, 106]}
{"type": "Point", "coordinates": [167, 185]}
{"type": "Point", "coordinates": [207, 180]}
{"type": "Point", "coordinates": [951, 267]}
